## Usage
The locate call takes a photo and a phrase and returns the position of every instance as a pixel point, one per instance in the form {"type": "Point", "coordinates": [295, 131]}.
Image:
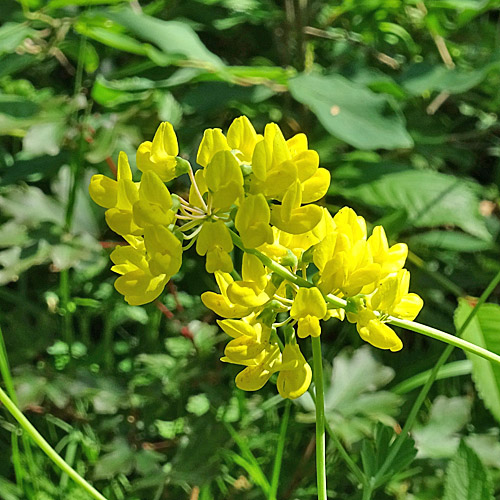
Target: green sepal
{"type": "Point", "coordinates": [290, 259]}
{"type": "Point", "coordinates": [182, 166]}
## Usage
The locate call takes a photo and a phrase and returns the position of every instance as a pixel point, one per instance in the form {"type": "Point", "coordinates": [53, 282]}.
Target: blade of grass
{"type": "Point", "coordinates": [45, 446]}
{"type": "Point", "coordinates": [16, 455]}
{"type": "Point", "coordinates": [279, 451]}
{"type": "Point", "coordinates": [259, 476]}
{"type": "Point", "coordinates": [454, 369]}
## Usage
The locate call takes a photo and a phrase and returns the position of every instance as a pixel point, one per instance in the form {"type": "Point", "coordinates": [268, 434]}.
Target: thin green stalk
{"type": "Point", "coordinates": [65, 293]}
{"type": "Point", "coordinates": [341, 303]}
{"type": "Point", "coordinates": [320, 418]}
{"type": "Point", "coordinates": [426, 388]}
{"type": "Point", "coordinates": [45, 446]}
{"type": "Point", "coordinates": [16, 455]}
{"type": "Point", "coordinates": [279, 452]}
{"type": "Point", "coordinates": [342, 451]}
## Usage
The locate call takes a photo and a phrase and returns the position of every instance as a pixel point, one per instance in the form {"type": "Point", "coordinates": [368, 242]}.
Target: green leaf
{"type": "Point", "coordinates": [374, 454]}
{"type": "Point", "coordinates": [352, 112]}
{"type": "Point", "coordinates": [172, 37]}
{"type": "Point", "coordinates": [450, 240]}
{"type": "Point", "coordinates": [421, 78]}
{"type": "Point", "coordinates": [484, 331]}
{"type": "Point", "coordinates": [353, 398]}
{"type": "Point", "coordinates": [198, 405]}
{"type": "Point", "coordinates": [438, 438]}
{"type": "Point", "coordinates": [429, 198]}
{"type": "Point", "coordinates": [466, 477]}
{"type": "Point", "coordinates": [12, 35]}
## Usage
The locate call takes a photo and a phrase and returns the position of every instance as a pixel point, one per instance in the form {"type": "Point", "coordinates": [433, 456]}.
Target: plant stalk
{"type": "Point", "coordinates": [45, 446]}
{"type": "Point", "coordinates": [320, 418]}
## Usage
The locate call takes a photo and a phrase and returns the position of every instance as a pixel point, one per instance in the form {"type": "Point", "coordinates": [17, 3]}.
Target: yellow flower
{"type": "Point", "coordinates": [252, 221]}
{"type": "Point", "coordinates": [242, 138]}
{"type": "Point", "coordinates": [154, 204]}
{"type": "Point", "coordinates": [137, 283]}
{"type": "Point", "coordinates": [253, 291]}
{"type": "Point", "coordinates": [249, 342]}
{"type": "Point", "coordinates": [220, 303]}
{"type": "Point", "coordinates": [295, 373]}
{"type": "Point", "coordinates": [390, 298]}
{"type": "Point", "coordinates": [213, 141]}
{"type": "Point", "coordinates": [344, 258]}
{"type": "Point", "coordinates": [164, 250]}
{"type": "Point", "coordinates": [308, 307]}
{"type": "Point", "coordinates": [253, 378]}
{"type": "Point", "coordinates": [160, 155]}
{"type": "Point", "coordinates": [224, 179]}
{"type": "Point", "coordinates": [119, 217]}
{"type": "Point", "coordinates": [215, 242]}
{"type": "Point", "coordinates": [390, 259]}
{"type": "Point", "coordinates": [377, 333]}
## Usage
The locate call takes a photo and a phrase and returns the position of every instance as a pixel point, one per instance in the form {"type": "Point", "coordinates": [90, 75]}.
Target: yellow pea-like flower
{"type": "Point", "coordinates": [249, 343]}
{"type": "Point", "coordinates": [224, 179]}
{"type": "Point", "coordinates": [377, 333]}
{"type": "Point", "coordinates": [392, 297]}
{"type": "Point", "coordinates": [252, 221]}
{"type": "Point", "coordinates": [215, 242]}
{"type": "Point", "coordinates": [136, 283]}
{"type": "Point", "coordinates": [219, 303]}
{"type": "Point", "coordinates": [164, 250]}
{"type": "Point", "coordinates": [242, 138]}
{"type": "Point", "coordinates": [253, 378]}
{"type": "Point", "coordinates": [298, 221]}
{"type": "Point", "coordinates": [295, 373]}
{"type": "Point", "coordinates": [155, 202]}
{"type": "Point", "coordinates": [308, 307]}
{"type": "Point", "coordinates": [103, 190]}
{"type": "Point", "coordinates": [390, 259]}
{"type": "Point", "coordinates": [160, 154]}
{"type": "Point", "coordinates": [315, 187]}
{"type": "Point", "coordinates": [213, 141]}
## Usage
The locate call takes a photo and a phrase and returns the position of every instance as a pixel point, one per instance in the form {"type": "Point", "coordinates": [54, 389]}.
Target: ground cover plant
{"type": "Point", "coordinates": [400, 102]}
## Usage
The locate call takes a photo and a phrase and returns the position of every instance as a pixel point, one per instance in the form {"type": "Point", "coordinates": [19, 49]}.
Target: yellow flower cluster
{"type": "Point", "coordinates": [258, 192]}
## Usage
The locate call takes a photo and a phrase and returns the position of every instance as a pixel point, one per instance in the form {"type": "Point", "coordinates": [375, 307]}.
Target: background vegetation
{"type": "Point", "coordinates": [400, 98]}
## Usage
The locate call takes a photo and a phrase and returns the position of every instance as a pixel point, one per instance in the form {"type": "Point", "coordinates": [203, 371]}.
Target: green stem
{"type": "Point", "coordinates": [426, 388]}
{"type": "Point", "coordinates": [341, 303]}
{"type": "Point", "coordinates": [279, 452]}
{"type": "Point", "coordinates": [16, 455]}
{"type": "Point", "coordinates": [320, 418]}
{"type": "Point", "coordinates": [342, 451]}
{"type": "Point", "coordinates": [45, 446]}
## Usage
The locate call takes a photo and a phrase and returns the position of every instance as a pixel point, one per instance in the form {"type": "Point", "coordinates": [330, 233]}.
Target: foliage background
{"type": "Point", "coordinates": [400, 98]}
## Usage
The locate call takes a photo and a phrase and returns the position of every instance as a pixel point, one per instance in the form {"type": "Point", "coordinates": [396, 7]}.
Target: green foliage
{"type": "Point", "coordinates": [466, 477]}
{"type": "Point", "coordinates": [400, 100]}
{"type": "Point", "coordinates": [484, 331]}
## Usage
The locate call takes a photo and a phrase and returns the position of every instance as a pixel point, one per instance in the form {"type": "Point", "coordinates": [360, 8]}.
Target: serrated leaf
{"type": "Point", "coordinates": [466, 477]}
{"type": "Point", "coordinates": [484, 331]}
{"type": "Point", "coordinates": [352, 112]}
{"type": "Point", "coordinates": [429, 198]}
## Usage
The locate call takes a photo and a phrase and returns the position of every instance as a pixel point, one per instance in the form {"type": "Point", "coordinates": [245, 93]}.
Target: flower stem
{"type": "Point", "coordinates": [435, 370]}
{"type": "Point", "coordinates": [45, 446]}
{"type": "Point", "coordinates": [320, 418]}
